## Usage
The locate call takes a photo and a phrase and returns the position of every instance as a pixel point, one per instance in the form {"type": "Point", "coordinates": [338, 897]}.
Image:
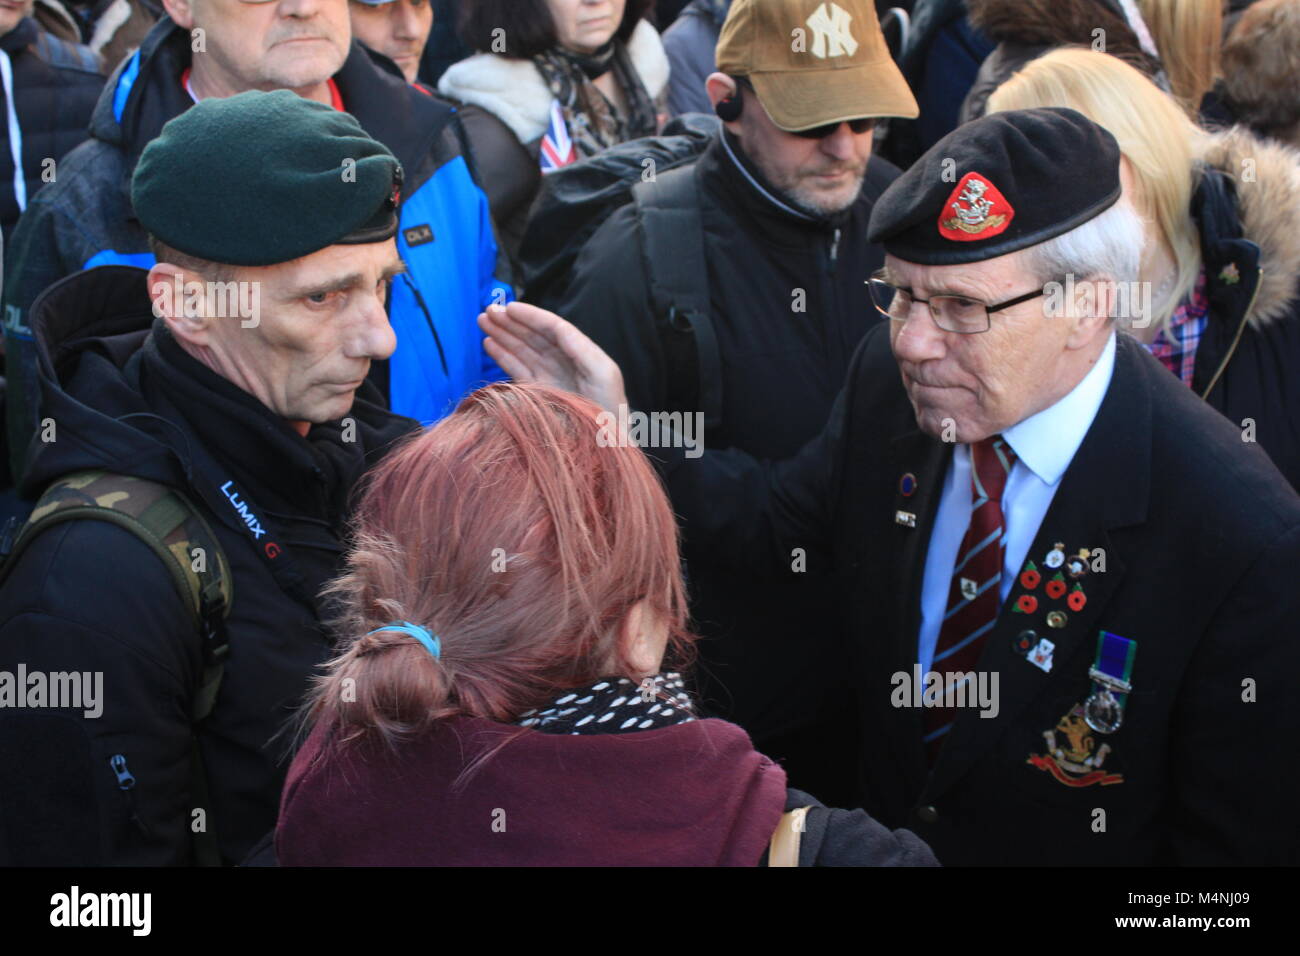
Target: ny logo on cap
{"type": "Point", "coordinates": [979, 210]}
{"type": "Point", "coordinates": [831, 35]}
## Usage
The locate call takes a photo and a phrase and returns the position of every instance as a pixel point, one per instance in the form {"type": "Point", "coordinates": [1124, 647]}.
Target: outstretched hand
{"type": "Point", "coordinates": [533, 345]}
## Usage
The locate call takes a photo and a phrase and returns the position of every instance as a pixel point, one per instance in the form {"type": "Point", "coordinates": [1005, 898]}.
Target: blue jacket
{"type": "Point", "coordinates": [84, 220]}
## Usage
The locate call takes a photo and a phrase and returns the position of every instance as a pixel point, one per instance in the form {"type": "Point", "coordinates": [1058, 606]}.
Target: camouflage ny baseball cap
{"type": "Point", "coordinates": [814, 62]}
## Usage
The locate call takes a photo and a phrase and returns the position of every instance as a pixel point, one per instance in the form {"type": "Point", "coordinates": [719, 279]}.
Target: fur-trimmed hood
{"type": "Point", "coordinates": [1261, 59]}
{"type": "Point", "coordinates": [1052, 23]}
{"type": "Point", "coordinates": [513, 91]}
{"type": "Point", "coordinates": [1269, 209]}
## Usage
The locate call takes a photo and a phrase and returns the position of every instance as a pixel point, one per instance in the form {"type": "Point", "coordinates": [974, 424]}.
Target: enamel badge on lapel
{"type": "Point", "coordinates": [1111, 674]}
{"type": "Point", "coordinates": [1041, 655]}
{"type": "Point", "coordinates": [905, 518]}
{"type": "Point", "coordinates": [907, 485]}
{"type": "Point", "coordinates": [1077, 565]}
{"type": "Point", "coordinates": [1073, 756]}
{"type": "Point", "coordinates": [1056, 557]}
{"type": "Point", "coordinates": [1077, 599]}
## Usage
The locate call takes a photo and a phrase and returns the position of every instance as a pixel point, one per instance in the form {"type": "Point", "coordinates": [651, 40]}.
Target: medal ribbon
{"type": "Point", "coordinates": [1114, 658]}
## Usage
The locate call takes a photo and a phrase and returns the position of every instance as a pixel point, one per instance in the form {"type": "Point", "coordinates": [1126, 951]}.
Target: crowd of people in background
{"type": "Point", "coordinates": [324, 553]}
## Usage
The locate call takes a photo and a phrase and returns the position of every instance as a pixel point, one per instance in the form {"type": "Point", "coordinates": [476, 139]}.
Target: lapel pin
{"type": "Point", "coordinates": [905, 518]}
{"type": "Point", "coordinates": [1024, 642]}
{"type": "Point", "coordinates": [1056, 587]}
{"type": "Point", "coordinates": [1030, 577]}
{"type": "Point", "coordinates": [907, 485]}
{"type": "Point", "coordinates": [1056, 619]}
{"type": "Point", "coordinates": [1025, 604]}
{"type": "Point", "coordinates": [1077, 599]}
{"type": "Point", "coordinates": [1041, 655]}
{"type": "Point", "coordinates": [1077, 566]}
{"type": "Point", "coordinates": [1056, 557]}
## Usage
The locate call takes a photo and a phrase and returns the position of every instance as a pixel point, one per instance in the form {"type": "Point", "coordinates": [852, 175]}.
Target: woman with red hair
{"type": "Point", "coordinates": [500, 694]}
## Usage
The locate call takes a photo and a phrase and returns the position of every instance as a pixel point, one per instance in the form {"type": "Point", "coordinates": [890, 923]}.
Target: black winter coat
{"type": "Point", "coordinates": [1201, 536]}
{"type": "Point", "coordinates": [1248, 360]}
{"type": "Point", "coordinates": [56, 85]}
{"type": "Point", "coordinates": [789, 305]}
{"type": "Point", "coordinates": [89, 596]}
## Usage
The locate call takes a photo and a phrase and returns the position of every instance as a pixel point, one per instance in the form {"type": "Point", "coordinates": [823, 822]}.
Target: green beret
{"type": "Point", "coordinates": [262, 178]}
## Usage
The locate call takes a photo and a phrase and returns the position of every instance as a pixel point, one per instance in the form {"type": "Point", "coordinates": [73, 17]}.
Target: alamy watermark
{"type": "Point", "coordinates": [213, 300]}
{"type": "Point", "coordinates": [75, 908]}
{"type": "Point", "coordinates": [76, 690]}
{"type": "Point", "coordinates": [978, 689]}
{"type": "Point", "coordinates": [652, 430]}
{"type": "Point", "coordinates": [1127, 301]}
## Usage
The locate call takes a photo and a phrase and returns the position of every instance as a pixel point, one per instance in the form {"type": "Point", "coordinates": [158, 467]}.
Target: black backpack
{"type": "Point", "coordinates": [173, 528]}
{"type": "Point", "coordinates": [656, 173]}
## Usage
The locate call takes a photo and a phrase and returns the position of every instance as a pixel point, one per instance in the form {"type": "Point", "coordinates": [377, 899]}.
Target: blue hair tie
{"type": "Point", "coordinates": [430, 641]}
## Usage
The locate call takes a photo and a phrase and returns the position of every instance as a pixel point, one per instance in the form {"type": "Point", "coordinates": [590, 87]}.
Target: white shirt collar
{"type": "Point", "coordinates": [1046, 442]}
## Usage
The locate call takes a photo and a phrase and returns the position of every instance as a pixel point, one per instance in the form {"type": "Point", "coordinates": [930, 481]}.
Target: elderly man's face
{"type": "Point", "coordinates": [282, 44]}
{"type": "Point", "coordinates": [967, 387]}
{"type": "Point", "coordinates": [321, 322]}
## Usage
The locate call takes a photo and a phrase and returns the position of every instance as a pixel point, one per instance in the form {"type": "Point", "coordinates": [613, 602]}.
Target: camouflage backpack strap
{"type": "Point", "coordinates": [164, 519]}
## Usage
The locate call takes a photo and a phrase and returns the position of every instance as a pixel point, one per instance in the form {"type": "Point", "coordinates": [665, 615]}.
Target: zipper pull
{"type": "Point", "coordinates": [125, 781]}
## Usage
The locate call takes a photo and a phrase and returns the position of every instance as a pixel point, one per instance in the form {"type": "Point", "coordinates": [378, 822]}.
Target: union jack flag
{"type": "Point", "coordinates": [557, 148]}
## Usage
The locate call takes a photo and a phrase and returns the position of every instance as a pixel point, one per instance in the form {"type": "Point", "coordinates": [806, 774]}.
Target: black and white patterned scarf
{"type": "Point", "coordinates": [593, 122]}
{"type": "Point", "coordinates": [615, 706]}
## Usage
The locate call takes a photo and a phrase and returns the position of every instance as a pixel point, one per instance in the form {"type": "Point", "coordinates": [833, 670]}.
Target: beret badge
{"type": "Point", "coordinates": [976, 209]}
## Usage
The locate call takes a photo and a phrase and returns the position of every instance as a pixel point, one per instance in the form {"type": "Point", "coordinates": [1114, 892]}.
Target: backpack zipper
{"type": "Point", "coordinates": [126, 783]}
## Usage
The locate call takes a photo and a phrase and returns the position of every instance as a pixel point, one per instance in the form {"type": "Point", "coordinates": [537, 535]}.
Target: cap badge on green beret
{"type": "Point", "coordinates": [981, 211]}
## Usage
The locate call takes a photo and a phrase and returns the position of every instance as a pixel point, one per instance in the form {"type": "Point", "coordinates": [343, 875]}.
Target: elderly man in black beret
{"type": "Point", "coordinates": [205, 424]}
{"type": "Point", "coordinates": [1069, 586]}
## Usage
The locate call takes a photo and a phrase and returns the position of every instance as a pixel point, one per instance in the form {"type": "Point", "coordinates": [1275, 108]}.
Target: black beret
{"type": "Point", "coordinates": [262, 178]}
{"type": "Point", "coordinates": [997, 184]}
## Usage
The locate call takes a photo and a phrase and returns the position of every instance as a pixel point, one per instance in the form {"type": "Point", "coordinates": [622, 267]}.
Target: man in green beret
{"type": "Point", "coordinates": [220, 404]}
{"type": "Point", "coordinates": [206, 49]}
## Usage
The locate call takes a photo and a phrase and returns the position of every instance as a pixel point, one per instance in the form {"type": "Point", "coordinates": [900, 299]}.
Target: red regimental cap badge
{"type": "Point", "coordinates": [976, 209]}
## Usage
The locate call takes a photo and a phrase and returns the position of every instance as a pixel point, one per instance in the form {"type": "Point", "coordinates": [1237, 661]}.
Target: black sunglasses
{"type": "Point", "coordinates": [857, 126]}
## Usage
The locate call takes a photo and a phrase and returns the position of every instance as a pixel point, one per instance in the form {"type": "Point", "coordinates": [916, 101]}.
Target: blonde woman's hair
{"type": "Point", "coordinates": [1155, 136]}
{"type": "Point", "coordinates": [1188, 35]}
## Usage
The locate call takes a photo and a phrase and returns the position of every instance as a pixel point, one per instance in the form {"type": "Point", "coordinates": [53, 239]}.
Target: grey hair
{"type": "Point", "coordinates": [1107, 247]}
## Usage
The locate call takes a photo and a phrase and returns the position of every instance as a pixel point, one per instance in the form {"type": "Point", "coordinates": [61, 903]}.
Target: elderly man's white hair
{"type": "Point", "coordinates": [1106, 247]}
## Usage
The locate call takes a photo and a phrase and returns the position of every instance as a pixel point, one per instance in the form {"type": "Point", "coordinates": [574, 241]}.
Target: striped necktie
{"type": "Point", "coordinates": [974, 594]}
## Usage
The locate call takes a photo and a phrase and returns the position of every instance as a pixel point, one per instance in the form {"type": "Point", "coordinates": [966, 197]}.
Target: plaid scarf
{"type": "Point", "coordinates": [1175, 345]}
{"type": "Point", "coordinates": [583, 116]}
{"type": "Point", "coordinates": [614, 706]}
